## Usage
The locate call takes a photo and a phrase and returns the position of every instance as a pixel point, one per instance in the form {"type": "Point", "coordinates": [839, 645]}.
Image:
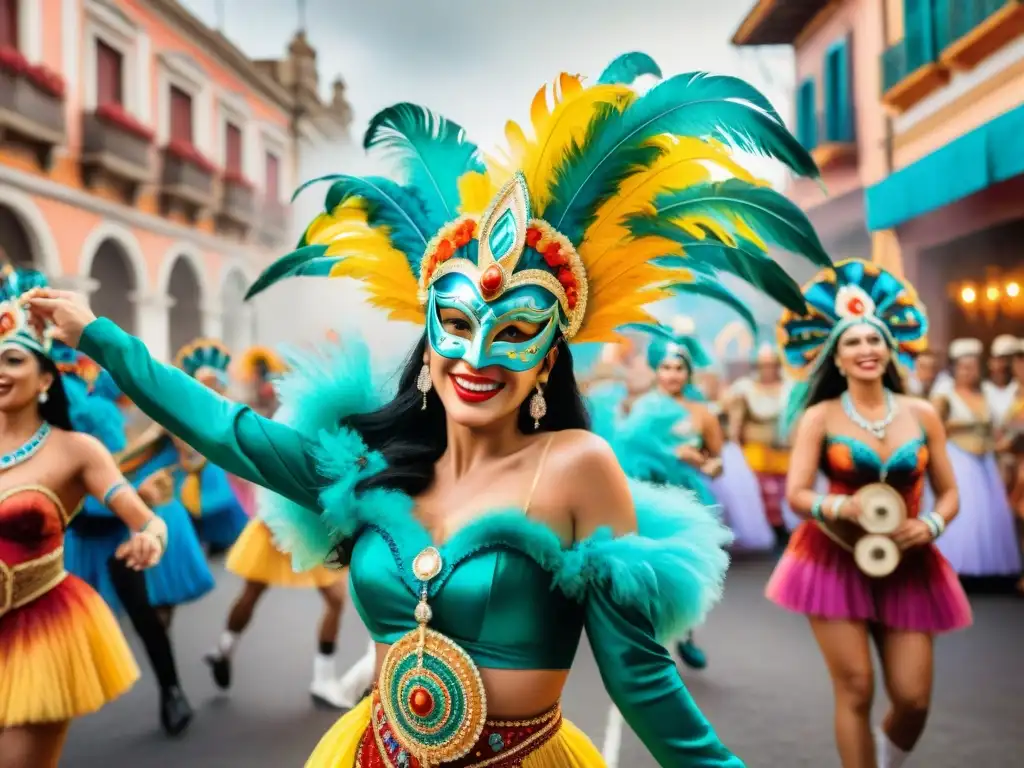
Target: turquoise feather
{"type": "Point", "coordinates": [307, 261]}
{"type": "Point", "coordinates": [710, 287]}
{"type": "Point", "coordinates": [625, 69]}
{"type": "Point", "coordinates": [672, 569]}
{"type": "Point", "coordinates": [662, 334]}
{"type": "Point", "coordinates": [432, 150]}
{"type": "Point", "coordinates": [693, 104]}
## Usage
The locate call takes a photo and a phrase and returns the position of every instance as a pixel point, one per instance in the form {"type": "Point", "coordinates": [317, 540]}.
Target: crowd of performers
{"type": "Point", "coordinates": [828, 452]}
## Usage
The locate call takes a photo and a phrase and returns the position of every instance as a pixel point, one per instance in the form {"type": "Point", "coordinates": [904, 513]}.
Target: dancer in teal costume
{"type": "Point", "coordinates": [504, 268]}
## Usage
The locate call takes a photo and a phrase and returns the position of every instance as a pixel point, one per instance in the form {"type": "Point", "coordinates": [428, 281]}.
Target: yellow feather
{"type": "Point", "coordinates": [476, 190]}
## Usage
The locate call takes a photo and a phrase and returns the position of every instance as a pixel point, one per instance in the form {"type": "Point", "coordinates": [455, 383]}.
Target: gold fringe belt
{"type": "Point", "coordinates": [22, 583]}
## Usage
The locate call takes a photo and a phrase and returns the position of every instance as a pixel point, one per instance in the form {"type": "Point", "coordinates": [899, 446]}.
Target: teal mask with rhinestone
{"type": "Point", "coordinates": [481, 348]}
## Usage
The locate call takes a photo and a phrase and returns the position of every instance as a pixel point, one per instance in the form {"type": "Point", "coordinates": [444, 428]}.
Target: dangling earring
{"type": "Point", "coordinates": [424, 384]}
{"type": "Point", "coordinates": [44, 396]}
{"type": "Point", "coordinates": [538, 407]}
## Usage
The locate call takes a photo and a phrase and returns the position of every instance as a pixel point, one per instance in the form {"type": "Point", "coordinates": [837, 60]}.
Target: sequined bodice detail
{"type": "Point", "coordinates": [492, 598]}
{"type": "Point", "coordinates": [850, 464]}
{"type": "Point", "coordinates": [32, 523]}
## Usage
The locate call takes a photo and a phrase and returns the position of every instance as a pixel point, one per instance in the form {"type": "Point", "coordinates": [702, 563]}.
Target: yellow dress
{"type": "Point", "coordinates": [255, 558]}
{"type": "Point", "coordinates": [62, 653]}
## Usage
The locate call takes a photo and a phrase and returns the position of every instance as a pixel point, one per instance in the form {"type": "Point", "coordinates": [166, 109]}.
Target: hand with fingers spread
{"type": "Point", "coordinates": [146, 546]}
{"type": "Point", "coordinates": [65, 312]}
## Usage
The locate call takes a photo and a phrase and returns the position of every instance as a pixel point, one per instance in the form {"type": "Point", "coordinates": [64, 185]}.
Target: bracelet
{"type": "Point", "coordinates": [936, 523]}
{"type": "Point", "coordinates": [160, 534]}
{"type": "Point", "coordinates": [816, 509]}
{"type": "Point", "coordinates": [113, 491]}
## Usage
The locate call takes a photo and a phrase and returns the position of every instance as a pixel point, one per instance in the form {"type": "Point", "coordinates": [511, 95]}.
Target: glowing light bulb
{"type": "Point", "coordinates": [968, 295]}
{"type": "Point", "coordinates": [1013, 290]}
{"type": "Point", "coordinates": [992, 293]}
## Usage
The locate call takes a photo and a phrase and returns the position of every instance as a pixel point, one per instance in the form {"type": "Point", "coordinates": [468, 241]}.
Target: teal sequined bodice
{"type": "Point", "coordinates": [492, 598]}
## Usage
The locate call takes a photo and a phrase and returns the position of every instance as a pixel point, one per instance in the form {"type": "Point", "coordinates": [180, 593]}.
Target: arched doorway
{"type": "Point", "coordinates": [112, 270]}
{"type": "Point", "coordinates": [185, 319]}
{"type": "Point", "coordinates": [15, 243]}
{"type": "Point", "coordinates": [238, 316]}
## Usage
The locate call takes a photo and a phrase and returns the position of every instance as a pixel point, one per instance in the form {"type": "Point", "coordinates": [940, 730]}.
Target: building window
{"type": "Point", "coordinates": [838, 105]}
{"type": "Point", "coordinates": [233, 150]}
{"type": "Point", "coordinates": [109, 75]}
{"type": "Point", "coordinates": [181, 116]}
{"type": "Point", "coordinates": [806, 116]}
{"type": "Point", "coordinates": [9, 24]}
{"type": "Point", "coordinates": [273, 180]}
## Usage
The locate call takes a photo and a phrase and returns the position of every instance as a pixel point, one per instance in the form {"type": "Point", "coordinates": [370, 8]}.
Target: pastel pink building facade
{"type": "Point", "coordinates": [921, 156]}
{"type": "Point", "coordinates": [143, 159]}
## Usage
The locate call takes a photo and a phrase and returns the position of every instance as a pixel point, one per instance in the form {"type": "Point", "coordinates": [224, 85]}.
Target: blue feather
{"type": "Point", "coordinates": [693, 104]}
{"type": "Point", "coordinates": [308, 261]}
{"type": "Point", "coordinates": [627, 68]}
{"type": "Point", "coordinates": [706, 285]}
{"type": "Point", "coordinates": [432, 150]}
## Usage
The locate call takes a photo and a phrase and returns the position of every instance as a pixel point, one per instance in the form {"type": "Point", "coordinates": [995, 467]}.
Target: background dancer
{"type": "Point", "coordinates": [62, 654]}
{"type": "Point", "coordinates": [983, 543]}
{"type": "Point", "coordinates": [96, 533]}
{"type": "Point", "coordinates": [859, 429]}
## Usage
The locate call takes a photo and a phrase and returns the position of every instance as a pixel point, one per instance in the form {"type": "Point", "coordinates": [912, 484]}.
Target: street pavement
{"type": "Point", "coordinates": [765, 690]}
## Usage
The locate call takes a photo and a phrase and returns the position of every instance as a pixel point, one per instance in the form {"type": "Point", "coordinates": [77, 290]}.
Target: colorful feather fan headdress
{"type": "Point", "coordinates": [249, 362]}
{"type": "Point", "coordinates": [202, 354]}
{"type": "Point", "coordinates": [15, 327]}
{"type": "Point", "coordinates": [614, 199]}
{"type": "Point", "coordinates": [852, 292]}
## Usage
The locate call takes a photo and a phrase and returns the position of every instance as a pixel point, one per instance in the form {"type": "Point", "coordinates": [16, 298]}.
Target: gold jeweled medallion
{"type": "Point", "coordinates": [430, 688]}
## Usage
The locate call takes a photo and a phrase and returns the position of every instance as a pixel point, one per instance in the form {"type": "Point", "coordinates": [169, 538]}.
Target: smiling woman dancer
{"type": "Point", "coordinates": [62, 654]}
{"type": "Point", "coordinates": [859, 429]}
{"type": "Point", "coordinates": [484, 525]}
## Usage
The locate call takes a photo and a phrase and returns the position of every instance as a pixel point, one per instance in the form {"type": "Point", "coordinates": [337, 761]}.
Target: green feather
{"type": "Point", "coordinates": [433, 152]}
{"type": "Point", "coordinates": [308, 261]}
{"type": "Point", "coordinates": [627, 68]}
{"type": "Point", "coordinates": [693, 104]}
{"type": "Point", "coordinates": [710, 287]}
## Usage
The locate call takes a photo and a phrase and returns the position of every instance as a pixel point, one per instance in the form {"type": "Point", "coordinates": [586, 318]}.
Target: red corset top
{"type": "Point", "coordinates": [32, 523]}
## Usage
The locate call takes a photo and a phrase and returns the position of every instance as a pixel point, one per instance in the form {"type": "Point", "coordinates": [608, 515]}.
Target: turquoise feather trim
{"type": "Point", "coordinates": [672, 569]}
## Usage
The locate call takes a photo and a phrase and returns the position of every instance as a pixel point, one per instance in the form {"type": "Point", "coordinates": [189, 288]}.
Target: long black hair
{"type": "Point", "coordinates": [56, 411]}
{"type": "Point", "coordinates": [827, 383]}
{"type": "Point", "coordinates": [412, 439]}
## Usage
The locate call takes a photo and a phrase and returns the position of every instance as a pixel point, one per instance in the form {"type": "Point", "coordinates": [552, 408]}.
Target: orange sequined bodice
{"type": "Point", "coordinates": [32, 523]}
{"type": "Point", "coordinates": [850, 464]}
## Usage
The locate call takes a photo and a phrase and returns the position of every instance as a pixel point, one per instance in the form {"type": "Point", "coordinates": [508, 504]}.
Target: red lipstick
{"type": "Point", "coordinates": [474, 389]}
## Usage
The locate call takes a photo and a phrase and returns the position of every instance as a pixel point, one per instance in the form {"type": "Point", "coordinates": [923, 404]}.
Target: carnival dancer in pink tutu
{"type": "Point", "coordinates": [872, 443]}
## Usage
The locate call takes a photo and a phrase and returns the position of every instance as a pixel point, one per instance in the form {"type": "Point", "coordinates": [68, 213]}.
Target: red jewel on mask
{"type": "Point", "coordinates": [491, 280]}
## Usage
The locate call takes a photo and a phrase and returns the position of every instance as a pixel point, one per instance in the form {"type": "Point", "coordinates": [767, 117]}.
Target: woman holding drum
{"type": "Point", "coordinates": [862, 567]}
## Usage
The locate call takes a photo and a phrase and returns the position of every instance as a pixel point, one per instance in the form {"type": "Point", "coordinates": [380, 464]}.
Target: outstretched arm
{"type": "Point", "coordinates": [638, 673]}
{"type": "Point", "coordinates": [230, 435]}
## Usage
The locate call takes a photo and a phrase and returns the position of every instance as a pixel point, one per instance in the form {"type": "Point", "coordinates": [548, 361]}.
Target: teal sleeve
{"type": "Point", "coordinates": [642, 680]}
{"type": "Point", "coordinates": [229, 434]}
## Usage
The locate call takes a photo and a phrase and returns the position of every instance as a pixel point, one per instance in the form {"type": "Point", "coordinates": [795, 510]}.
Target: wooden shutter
{"type": "Point", "coordinates": [109, 77]}
{"type": "Point", "coordinates": [233, 150]}
{"type": "Point", "coordinates": [273, 179]}
{"type": "Point", "coordinates": [9, 24]}
{"type": "Point", "coordinates": [181, 116]}
{"type": "Point", "coordinates": [807, 119]}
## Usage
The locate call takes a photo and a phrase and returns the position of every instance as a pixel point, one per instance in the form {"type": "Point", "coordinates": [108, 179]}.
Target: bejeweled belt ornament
{"type": "Point", "coordinates": [430, 688]}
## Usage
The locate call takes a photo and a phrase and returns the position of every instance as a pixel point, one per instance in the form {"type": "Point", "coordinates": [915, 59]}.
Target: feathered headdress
{"type": "Point", "coordinates": [204, 355]}
{"type": "Point", "coordinates": [614, 198]}
{"type": "Point", "coordinates": [15, 327]}
{"type": "Point", "coordinates": [249, 362]}
{"type": "Point", "coordinates": [852, 292]}
{"type": "Point", "coordinates": [92, 397]}
{"type": "Point", "coordinates": [675, 339]}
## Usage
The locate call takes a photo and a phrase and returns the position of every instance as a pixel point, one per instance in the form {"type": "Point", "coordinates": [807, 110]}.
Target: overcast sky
{"type": "Point", "coordinates": [479, 62]}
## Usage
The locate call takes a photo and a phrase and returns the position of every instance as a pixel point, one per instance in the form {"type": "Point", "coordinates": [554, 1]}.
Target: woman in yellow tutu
{"type": "Point", "coordinates": [255, 559]}
{"type": "Point", "coordinates": [484, 525]}
{"type": "Point", "coordinates": [62, 654]}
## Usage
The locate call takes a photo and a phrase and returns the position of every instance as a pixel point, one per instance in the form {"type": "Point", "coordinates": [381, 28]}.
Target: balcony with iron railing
{"type": "Point", "coordinates": [969, 31]}
{"type": "Point", "coordinates": [910, 70]}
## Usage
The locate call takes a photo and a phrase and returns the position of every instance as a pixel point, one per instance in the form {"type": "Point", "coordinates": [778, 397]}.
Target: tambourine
{"type": "Point", "coordinates": [882, 512]}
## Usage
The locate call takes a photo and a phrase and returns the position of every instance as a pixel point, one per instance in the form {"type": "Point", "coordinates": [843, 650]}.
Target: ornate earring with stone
{"type": "Point", "coordinates": [424, 384]}
{"type": "Point", "coordinates": [538, 407]}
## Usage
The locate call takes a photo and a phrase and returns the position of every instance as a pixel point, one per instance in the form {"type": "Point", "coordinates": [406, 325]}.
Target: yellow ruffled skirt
{"type": "Point", "coordinates": [61, 656]}
{"type": "Point", "coordinates": [255, 558]}
{"type": "Point", "coordinates": [569, 748]}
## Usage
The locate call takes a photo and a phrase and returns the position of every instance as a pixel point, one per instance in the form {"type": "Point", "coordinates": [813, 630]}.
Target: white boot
{"type": "Point", "coordinates": [324, 689]}
{"type": "Point", "coordinates": [889, 755]}
{"type": "Point", "coordinates": [358, 678]}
